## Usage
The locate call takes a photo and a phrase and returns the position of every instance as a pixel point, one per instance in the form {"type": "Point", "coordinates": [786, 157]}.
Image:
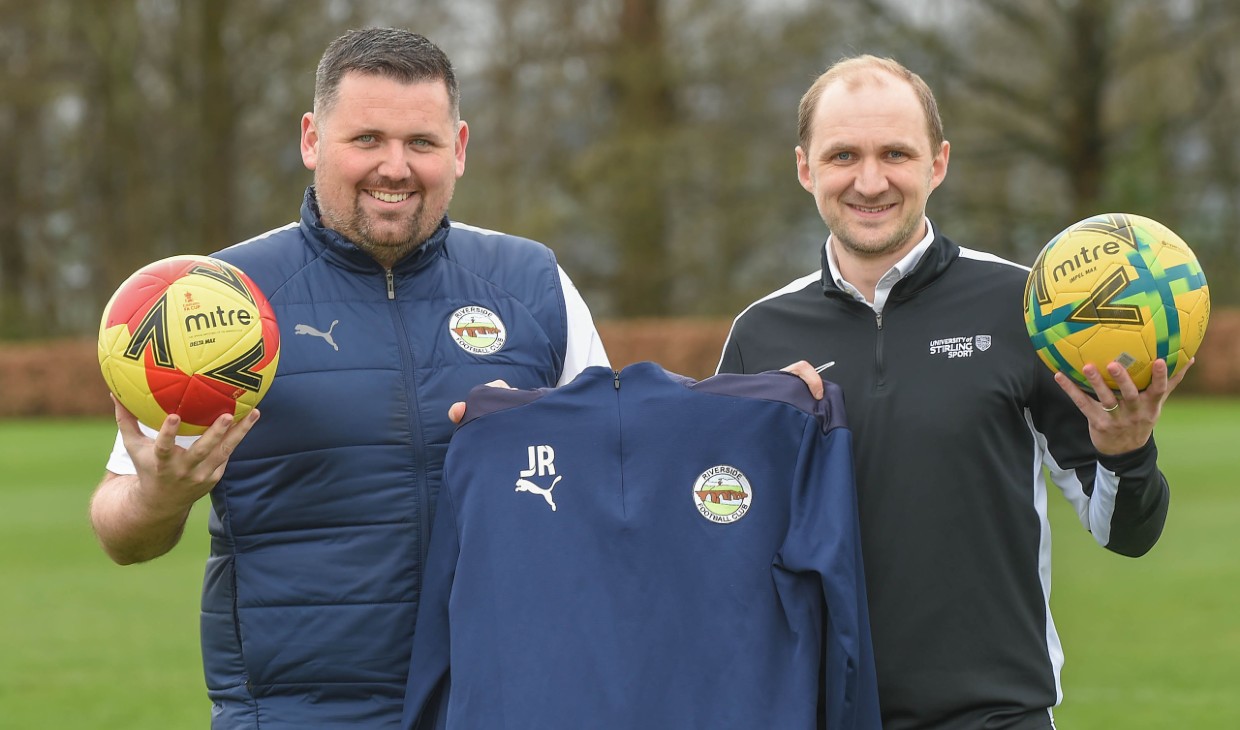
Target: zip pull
{"type": "Point", "coordinates": [616, 382]}
{"type": "Point", "coordinates": [391, 283]}
{"type": "Point", "coordinates": [879, 317]}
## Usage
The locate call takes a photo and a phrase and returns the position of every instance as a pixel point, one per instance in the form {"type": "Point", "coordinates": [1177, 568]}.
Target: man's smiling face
{"type": "Point", "coordinates": [871, 165]}
{"type": "Point", "coordinates": [386, 156]}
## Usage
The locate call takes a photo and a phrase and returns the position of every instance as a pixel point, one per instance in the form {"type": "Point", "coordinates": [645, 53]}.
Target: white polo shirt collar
{"type": "Point", "coordinates": [901, 269]}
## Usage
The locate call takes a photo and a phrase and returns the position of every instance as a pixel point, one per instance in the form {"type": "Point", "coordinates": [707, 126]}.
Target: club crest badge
{"type": "Point", "coordinates": [477, 330]}
{"type": "Point", "coordinates": [722, 494]}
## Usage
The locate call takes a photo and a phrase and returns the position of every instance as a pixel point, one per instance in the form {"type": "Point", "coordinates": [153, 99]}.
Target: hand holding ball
{"type": "Point", "coordinates": [1116, 287]}
{"type": "Point", "coordinates": [189, 335]}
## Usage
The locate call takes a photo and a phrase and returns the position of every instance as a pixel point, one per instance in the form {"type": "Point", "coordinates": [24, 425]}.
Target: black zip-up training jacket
{"type": "Point", "coordinates": [955, 419]}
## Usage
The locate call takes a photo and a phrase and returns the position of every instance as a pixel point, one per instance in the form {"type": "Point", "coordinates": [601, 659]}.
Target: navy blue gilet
{"type": "Point", "coordinates": [320, 525]}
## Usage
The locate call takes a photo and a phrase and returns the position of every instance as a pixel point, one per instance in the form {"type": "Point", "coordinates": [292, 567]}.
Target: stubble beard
{"type": "Point", "coordinates": [386, 246]}
{"type": "Point", "coordinates": [875, 249]}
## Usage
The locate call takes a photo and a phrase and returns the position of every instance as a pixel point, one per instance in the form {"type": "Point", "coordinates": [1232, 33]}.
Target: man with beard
{"type": "Point", "coordinates": [321, 509]}
{"type": "Point", "coordinates": [954, 416]}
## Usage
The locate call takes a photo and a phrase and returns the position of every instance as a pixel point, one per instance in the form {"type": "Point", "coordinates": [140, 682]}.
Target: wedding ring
{"type": "Point", "coordinates": [1108, 410]}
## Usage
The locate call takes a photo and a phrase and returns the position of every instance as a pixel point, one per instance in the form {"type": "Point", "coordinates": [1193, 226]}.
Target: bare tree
{"type": "Point", "coordinates": [20, 100]}
{"type": "Point", "coordinates": [649, 142]}
{"type": "Point", "coordinates": [640, 90]}
{"type": "Point", "coordinates": [1062, 109]}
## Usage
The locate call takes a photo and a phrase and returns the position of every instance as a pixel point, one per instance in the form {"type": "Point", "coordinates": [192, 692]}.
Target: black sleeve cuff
{"type": "Point", "coordinates": [1136, 463]}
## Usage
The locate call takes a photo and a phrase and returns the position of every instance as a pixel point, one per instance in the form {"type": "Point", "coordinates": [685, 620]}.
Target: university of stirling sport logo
{"type": "Point", "coordinates": [477, 330]}
{"type": "Point", "coordinates": [722, 494]}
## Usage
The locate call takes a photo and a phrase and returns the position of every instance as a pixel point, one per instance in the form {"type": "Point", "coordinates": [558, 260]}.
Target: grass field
{"type": "Point", "coordinates": [1150, 643]}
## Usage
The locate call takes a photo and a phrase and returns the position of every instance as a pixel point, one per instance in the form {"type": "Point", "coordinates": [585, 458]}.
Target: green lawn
{"type": "Point", "coordinates": [1155, 642]}
{"type": "Point", "coordinates": [85, 643]}
{"type": "Point", "coordinates": [1150, 643]}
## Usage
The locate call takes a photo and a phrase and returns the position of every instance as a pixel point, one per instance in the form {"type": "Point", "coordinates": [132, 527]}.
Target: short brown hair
{"type": "Point", "coordinates": [855, 70]}
{"type": "Point", "coordinates": [391, 52]}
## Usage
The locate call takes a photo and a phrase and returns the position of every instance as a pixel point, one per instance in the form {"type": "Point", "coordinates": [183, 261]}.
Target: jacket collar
{"type": "Point", "coordinates": [349, 255]}
{"type": "Point", "coordinates": [934, 262]}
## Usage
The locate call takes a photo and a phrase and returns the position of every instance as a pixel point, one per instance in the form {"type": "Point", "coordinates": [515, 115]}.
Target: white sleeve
{"type": "Point", "coordinates": [585, 347]}
{"type": "Point", "coordinates": [119, 461]}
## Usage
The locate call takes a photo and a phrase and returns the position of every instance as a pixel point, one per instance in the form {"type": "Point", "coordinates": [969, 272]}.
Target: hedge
{"type": "Point", "coordinates": [61, 378]}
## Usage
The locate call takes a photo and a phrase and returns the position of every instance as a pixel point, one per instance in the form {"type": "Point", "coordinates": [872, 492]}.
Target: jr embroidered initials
{"type": "Point", "coordinates": [542, 461]}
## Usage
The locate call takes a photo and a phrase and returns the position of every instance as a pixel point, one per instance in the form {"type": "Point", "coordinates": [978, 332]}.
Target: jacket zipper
{"type": "Point", "coordinates": [624, 507]}
{"type": "Point", "coordinates": [880, 370]}
{"type": "Point", "coordinates": [423, 493]}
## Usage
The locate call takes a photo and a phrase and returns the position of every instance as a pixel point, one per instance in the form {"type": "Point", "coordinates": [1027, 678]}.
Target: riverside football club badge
{"type": "Point", "coordinates": [722, 494]}
{"type": "Point", "coordinates": [477, 330]}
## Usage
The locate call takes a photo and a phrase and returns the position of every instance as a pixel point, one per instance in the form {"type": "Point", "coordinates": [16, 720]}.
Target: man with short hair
{"type": "Point", "coordinates": [321, 510]}
{"type": "Point", "coordinates": [954, 416]}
